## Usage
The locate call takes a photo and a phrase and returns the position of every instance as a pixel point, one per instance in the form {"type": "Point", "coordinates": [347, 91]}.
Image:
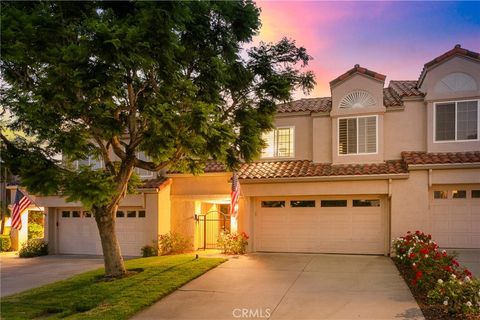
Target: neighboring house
{"type": "Point", "coordinates": [341, 174]}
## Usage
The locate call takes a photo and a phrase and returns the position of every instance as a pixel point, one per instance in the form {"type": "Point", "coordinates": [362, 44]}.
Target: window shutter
{"type": "Point", "coordinates": [142, 172]}
{"type": "Point", "coordinates": [352, 135]}
{"type": "Point", "coordinates": [371, 134]}
{"type": "Point", "coordinates": [342, 136]}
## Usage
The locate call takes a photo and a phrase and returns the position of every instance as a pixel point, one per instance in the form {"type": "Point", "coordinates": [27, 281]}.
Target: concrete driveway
{"type": "Point", "coordinates": [468, 258]}
{"type": "Point", "coordinates": [21, 274]}
{"type": "Point", "coordinates": [292, 286]}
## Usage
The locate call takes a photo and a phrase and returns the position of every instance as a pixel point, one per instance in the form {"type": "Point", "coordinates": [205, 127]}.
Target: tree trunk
{"type": "Point", "coordinates": [105, 217]}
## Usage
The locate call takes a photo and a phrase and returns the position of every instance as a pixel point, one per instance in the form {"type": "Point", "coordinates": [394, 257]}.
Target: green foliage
{"type": "Point", "coordinates": [35, 217]}
{"type": "Point", "coordinates": [172, 243]}
{"type": "Point", "coordinates": [149, 251]}
{"type": "Point", "coordinates": [35, 230]}
{"type": "Point", "coordinates": [5, 242]}
{"type": "Point", "coordinates": [460, 296]}
{"type": "Point", "coordinates": [119, 299]}
{"type": "Point", "coordinates": [33, 248]}
{"type": "Point", "coordinates": [233, 243]}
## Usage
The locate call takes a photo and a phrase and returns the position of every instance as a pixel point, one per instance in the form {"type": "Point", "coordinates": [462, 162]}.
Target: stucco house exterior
{"type": "Point", "coordinates": [341, 174]}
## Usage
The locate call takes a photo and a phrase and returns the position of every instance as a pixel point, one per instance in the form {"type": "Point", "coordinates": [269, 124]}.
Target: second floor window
{"type": "Point", "coordinates": [142, 172]}
{"type": "Point", "coordinates": [280, 143]}
{"type": "Point", "coordinates": [357, 135]}
{"type": "Point", "coordinates": [456, 121]}
{"type": "Point", "coordinates": [92, 161]}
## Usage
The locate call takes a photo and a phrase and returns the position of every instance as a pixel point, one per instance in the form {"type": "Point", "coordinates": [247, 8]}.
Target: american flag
{"type": "Point", "coordinates": [234, 195]}
{"type": "Point", "coordinates": [21, 203]}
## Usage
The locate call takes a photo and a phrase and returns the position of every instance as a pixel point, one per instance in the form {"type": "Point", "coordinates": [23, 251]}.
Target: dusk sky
{"type": "Point", "coordinates": [392, 38]}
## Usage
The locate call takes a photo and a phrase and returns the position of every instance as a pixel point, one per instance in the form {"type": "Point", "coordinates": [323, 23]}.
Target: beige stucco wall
{"type": "Point", "coordinates": [409, 204]}
{"type": "Point", "coordinates": [207, 184]}
{"type": "Point", "coordinates": [164, 210]}
{"type": "Point", "coordinates": [130, 200]}
{"type": "Point", "coordinates": [405, 130]}
{"type": "Point", "coordinates": [303, 134]}
{"type": "Point", "coordinates": [433, 76]}
{"type": "Point", "coordinates": [339, 91]}
{"type": "Point", "coordinates": [315, 188]}
{"type": "Point", "coordinates": [322, 137]}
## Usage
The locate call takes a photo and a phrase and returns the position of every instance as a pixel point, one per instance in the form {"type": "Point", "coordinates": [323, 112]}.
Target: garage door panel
{"type": "Point", "coordinates": [320, 229]}
{"type": "Point", "coordinates": [455, 222]}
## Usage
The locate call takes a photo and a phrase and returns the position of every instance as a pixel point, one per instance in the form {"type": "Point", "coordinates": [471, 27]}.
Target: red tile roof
{"type": "Point", "coordinates": [405, 88]}
{"type": "Point", "coordinates": [415, 158]}
{"type": "Point", "coordinates": [456, 51]}
{"type": "Point", "coordinates": [312, 104]}
{"type": "Point", "coordinates": [158, 183]}
{"type": "Point", "coordinates": [360, 70]}
{"type": "Point", "coordinates": [306, 168]}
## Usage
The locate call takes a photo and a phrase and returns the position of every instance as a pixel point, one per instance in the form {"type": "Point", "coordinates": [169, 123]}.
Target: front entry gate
{"type": "Point", "coordinates": [210, 226]}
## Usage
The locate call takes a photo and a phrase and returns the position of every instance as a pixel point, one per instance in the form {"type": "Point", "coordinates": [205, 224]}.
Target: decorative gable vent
{"type": "Point", "coordinates": [456, 82]}
{"type": "Point", "coordinates": [358, 99]}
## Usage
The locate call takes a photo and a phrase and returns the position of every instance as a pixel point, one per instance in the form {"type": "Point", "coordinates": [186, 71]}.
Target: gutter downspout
{"type": "Point", "coordinates": [389, 216]}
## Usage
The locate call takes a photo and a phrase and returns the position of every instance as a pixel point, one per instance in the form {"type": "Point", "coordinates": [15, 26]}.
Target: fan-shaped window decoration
{"type": "Point", "coordinates": [455, 82]}
{"type": "Point", "coordinates": [358, 99]}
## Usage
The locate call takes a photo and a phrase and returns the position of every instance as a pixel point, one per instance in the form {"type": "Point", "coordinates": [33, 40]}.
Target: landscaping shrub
{"type": "Point", "coordinates": [458, 295]}
{"type": "Point", "coordinates": [149, 251]}
{"type": "Point", "coordinates": [233, 243]}
{"type": "Point", "coordinates": [33, 248]}
{"type": "Point", "coordinates": [5, 242]}
{"type": "Point", "coordinates": [437, 274]}
{"type": "Point", "coordinates": [35, 231]}
{"type": "Point", "coordinates": [173, 242]}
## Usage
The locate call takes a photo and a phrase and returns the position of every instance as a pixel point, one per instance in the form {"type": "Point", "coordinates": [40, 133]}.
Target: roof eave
{"type": "Point", "coordinates": [470, 165]}
{"type": "Point", "coordinates": [326, 178]}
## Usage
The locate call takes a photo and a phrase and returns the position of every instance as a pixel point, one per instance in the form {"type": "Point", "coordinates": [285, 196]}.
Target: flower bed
{"type": "Point", "coordinates": [443, 289]}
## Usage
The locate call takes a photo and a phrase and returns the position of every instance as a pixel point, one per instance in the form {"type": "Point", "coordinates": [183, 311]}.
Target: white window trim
{"type": "Point", "coordinates": [276, 147]}
{"type": "Point", "coordinates": [357, 153]}
{"type": "Point", "coordinates": [435, 121]}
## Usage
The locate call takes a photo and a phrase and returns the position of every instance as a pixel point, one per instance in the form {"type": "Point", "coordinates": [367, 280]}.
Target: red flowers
{"type": "Point", "coordinates": [244, 235]}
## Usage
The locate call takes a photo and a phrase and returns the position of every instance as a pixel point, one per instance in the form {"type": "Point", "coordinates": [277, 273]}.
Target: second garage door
{"type": "Point", "coordinates": [355, 224]}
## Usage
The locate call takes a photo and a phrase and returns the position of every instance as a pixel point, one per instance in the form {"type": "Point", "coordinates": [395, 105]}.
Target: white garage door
{"type": "Point", "coordinates": [353, 224]}
{"type": "Point", "coordinates": [78, 232]}
{"type": "Point", "coordinates": [455, 216]}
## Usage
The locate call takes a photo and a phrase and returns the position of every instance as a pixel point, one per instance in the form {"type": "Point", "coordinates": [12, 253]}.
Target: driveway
{"type": "Point", "coordinates": [292, 286]}
{"type": "Point", "coordinates": [21, 274]}
{"type": "Point", "coordinates": [468, 258]}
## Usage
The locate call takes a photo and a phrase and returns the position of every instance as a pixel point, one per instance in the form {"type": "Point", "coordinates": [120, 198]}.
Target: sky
{"type": "Point", "coordinates": [393, 38]}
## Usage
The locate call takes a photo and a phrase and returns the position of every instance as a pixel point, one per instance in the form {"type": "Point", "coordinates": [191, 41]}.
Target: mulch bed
{"type": "Point", "coordinates": [430, 311]}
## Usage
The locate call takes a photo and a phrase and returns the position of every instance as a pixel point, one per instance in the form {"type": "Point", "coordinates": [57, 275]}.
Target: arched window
{"type": "Point", "coordinates": [358, 99]}
{"type": "Point", "coordinates": [456, 81]}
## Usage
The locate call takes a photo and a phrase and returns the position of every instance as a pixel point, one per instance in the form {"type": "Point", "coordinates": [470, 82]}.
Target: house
{"type": "Point", "coordinates": [342, 174]}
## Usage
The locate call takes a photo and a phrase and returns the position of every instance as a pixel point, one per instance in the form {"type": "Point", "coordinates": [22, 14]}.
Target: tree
{"type": "Point", "coordinates": [170, 79]}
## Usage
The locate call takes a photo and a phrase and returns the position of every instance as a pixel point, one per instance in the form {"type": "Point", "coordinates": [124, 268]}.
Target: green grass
{"type": "Point", "coordinates": [85, 297]}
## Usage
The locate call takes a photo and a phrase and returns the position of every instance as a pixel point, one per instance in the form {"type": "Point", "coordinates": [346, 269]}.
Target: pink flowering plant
{"type": "Point", "coordinates": [233, 243]}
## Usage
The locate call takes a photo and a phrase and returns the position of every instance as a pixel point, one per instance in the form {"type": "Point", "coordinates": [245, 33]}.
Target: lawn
{"type": "Point", "coordinates": [84, 296]}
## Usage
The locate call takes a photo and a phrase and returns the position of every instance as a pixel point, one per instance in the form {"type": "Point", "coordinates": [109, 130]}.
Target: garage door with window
{"type": "Point", "coordinates": [455, 216]}
{"type": "Point", "coordinates": [78, 232]}
{"type": "Point", "coordinates": [353, 224]}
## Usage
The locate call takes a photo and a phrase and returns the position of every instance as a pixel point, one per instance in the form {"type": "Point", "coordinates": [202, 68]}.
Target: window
{"type": "Point", "coordinates": [366, 203]}
{"type": "Point", "coordinates": [131, 214]}
{"type": "Point", "coordinates": [87, 214]}
{"type": "Point", "coordinates": [357, 135]}
{"type": "Point", "coordinates": [302, 203]}
{"type": "Point", "coordinates": [456, 121]}
{"type": "Point", "coordinates": [280, 143]}
{"type": "Point", "coordinates": [91, 161]}
{"type": "Point", "coordinates": [65, 214]}
{"type": "Point", "coordinates": [141, 214]}
{"type": "Point", "coordinates": [459, 194]}
{"type": "Point", "coordinates": [440, 194]}
{"type": "Point", "coordinates": [333, 203]}
{"type": "Point", "coordinates": [273, 204]}
{"type": "Point", "coordinates": [75, 214]}
{"type": "Point", "coordinates": [142, 172]}
{"type": "Point", "coordinates": [120, 214]}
